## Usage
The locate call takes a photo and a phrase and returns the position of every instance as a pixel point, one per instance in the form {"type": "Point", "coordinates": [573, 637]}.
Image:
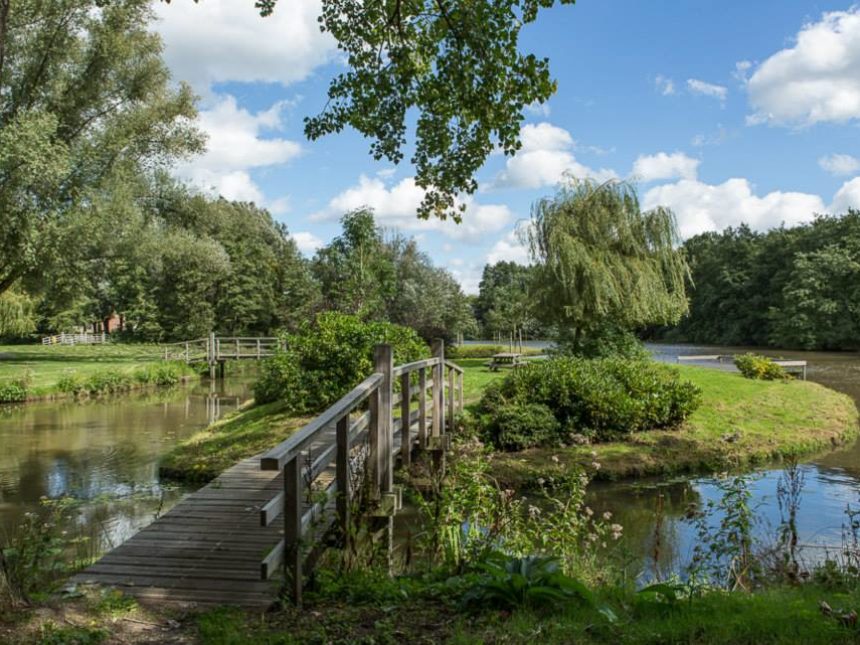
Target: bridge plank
{"type": "Point", "coordinates": [205, 551]}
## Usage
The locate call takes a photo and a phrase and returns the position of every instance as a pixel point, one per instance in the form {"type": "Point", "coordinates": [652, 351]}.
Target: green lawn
{"type": "Point", "coordinates": [44, 365]}
{"type": "Point", "coordinates": [741, 422]}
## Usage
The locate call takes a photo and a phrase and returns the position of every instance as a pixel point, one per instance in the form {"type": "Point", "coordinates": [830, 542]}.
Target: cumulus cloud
{"type": "Point", "coordinates": [509, 249]}
{"type": "Point", "coordinates": [702, 207]}
{"type": "Point", "coordinates": [839, 164]}
{"type": "Point", "coordinates": [847, 197]}
{"type": "Point", "coordinates": [815, 80]}
{"type": "Point", "coordinates": [307, 242]}
{"type": "Point", "coordinates": [665, 166]}
{"type": "Point", "coordinates": [707, 89]}
{"type": "Point", "coordinates": [235, 145]}
{"type": "Point", "coordinates": [545, 158]}
{"type": "Point", "coordinates": [219, 41]}
{"type": "Point", "coordinates": [396, 206]}
{"type": "Point", "coordinates": [666, 86]}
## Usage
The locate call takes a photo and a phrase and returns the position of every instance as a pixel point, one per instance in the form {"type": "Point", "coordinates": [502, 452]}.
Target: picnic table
{"type": "Point", "coordinates": [505, 359]}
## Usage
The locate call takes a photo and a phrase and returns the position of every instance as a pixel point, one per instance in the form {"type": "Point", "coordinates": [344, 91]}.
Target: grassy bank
{"type": "Point", "coordinates": [32, 372]}
{"type": "Point", "coordinates": [245, 432]}
{"type": "Point", "coordinates": [740, 422]}
{"type": "Point", "coordinates": [420, 613]}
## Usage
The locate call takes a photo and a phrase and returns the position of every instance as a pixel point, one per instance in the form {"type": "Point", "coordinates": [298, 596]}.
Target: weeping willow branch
{"type": "Point", "coordinates": [601, 258]}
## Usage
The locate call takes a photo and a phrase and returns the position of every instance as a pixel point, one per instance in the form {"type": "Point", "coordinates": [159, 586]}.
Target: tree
{"type": "Point", "coordinates": [504, 303]}
{"type": "Point", "coordinates": [355, 272]}
{"type": "Point", "coordinates": [602, 261]}
{"type": "Point", "coordinates": [454, 68]}
{"type": "Point", "coordinates": [84, 95]}
{"type": "Point", "coordinates": [426, 298]}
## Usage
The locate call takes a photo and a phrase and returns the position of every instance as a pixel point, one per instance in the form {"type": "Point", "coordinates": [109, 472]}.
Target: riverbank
{"type": "Point", "coordinates": [247, 431]}
{"type": "Point", "coordinates": [44, 372]}
{"type": "Point", "coordinates": [741, 422]}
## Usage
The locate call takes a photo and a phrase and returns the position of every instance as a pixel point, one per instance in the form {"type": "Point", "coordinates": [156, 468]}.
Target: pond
{"type": "Point", "coordinates": [105, 453]}
{"type": "Point", "coordinates": [831, 482]}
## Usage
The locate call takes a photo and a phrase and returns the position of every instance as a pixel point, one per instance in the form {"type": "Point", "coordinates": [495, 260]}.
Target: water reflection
{"type": "Point", "coordinates": [832, 482]}
{"type": "Point", "coordinates": [105, 452]}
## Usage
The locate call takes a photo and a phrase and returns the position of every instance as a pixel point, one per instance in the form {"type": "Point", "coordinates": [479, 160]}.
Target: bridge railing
{"type": "Point", "coordinates": [323, 461]}
{"type": "Point", "coordinates": [214, 349]}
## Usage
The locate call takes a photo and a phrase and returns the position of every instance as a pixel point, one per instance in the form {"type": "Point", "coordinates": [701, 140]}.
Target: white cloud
{"type": "Point", "coordinates": [707, 89]}
{"type": "Point", "coordinates": [226, 40]}
{"type": "Point", "coordinates": [538, 109]}
{"type": "Point", "coordinates": [235, 145]}
{"type": "Point", "coordinates": [307, 242]}
{"type": "Point", "coordinates": [840, 164]}
{"type": "Point", "coordinates": [509, 249]}
{"type": "Point", "coordinates": [544, 159]}
{"type": "Point", "coordinates": [396, 206]}
{"type": "Point", "coordinates": [665, 166]}
{"type": "Point", "coordinates": [816, 79]}
{"type": "Point", "coordinates": [703, 207]}
{"type": "Point", "coordinates": [847, 197]}
{"type": "Point", "coordinates": [666, 86]}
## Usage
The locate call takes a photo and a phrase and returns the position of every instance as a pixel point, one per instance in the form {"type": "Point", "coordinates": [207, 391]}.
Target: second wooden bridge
{"type": "Point", "coordinates": [272, 514]}
{"type": "Point", "coordinates": [217, 350]}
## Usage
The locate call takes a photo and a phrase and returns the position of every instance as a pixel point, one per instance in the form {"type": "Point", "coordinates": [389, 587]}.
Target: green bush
{"type": "Point", "coordinates": [519, 426]}
{"type": "Point", "coordinates": [599, 398]}
{"type": "Point", "coordinates": [328, 357]}
{"type": "Point", "coordinates": [759, 367]}
{"type": "Point", "coordinates": [14, 390]}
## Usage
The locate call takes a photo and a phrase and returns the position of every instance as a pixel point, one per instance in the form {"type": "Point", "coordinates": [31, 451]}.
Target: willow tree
{"type": "Point", "coordinates": [601, 261]}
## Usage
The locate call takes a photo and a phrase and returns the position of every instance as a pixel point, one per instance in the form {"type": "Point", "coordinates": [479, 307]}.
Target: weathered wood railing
{"type": "Point", "coordinates": [319, 463]}
{"type": "Point", "coordinates": [217, 349]}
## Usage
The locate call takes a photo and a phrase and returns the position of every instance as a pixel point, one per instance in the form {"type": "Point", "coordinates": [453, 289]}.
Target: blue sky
{"type": "Point", "coordinates": [723, 111]}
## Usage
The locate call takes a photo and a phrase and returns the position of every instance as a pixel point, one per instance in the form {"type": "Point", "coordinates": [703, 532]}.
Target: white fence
{"type": "Point", "coordinates": [74, 339]}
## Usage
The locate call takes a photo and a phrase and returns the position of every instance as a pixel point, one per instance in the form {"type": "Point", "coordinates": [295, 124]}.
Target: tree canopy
{"type": "Point", "coordinates": [84, 97]}
{"type": "Point", "coordinates": [789, 287]}
{"type": "Point", "coordinates": [601, 260]}
{"type": "Point", "coordinates": [455, 69]}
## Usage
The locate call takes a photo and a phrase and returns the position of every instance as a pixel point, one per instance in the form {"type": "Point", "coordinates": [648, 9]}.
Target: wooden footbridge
{"type": "Point", "coordinates": [260, 527]}
{"type": "Point", "coordinates": [216, 350]}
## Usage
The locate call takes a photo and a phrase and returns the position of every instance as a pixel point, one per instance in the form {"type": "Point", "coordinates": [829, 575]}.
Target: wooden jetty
{"type": "Point", "coordinates": [262, 524]}
{"type": "Point", "coordinates": [790, 366]}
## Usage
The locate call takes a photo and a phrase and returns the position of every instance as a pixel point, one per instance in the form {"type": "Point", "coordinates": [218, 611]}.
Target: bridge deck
{"type": "Point", "coordinates": [206, 550]}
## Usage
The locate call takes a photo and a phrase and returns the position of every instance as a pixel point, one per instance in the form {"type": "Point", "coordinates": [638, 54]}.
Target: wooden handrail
{"type": "Point", "coordinates": [275, 458]}
{"type": "Point", "coordinates": [408, 368]}
{"type": "Point", "coordinates": [311, 503]}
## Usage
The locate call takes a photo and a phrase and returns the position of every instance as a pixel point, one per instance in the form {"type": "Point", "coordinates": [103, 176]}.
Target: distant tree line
{"type": "Point", "coordinates": [796, 287]}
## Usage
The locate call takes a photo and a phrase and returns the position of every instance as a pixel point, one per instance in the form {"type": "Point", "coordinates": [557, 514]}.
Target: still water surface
{"type": "Point", "coordinates": [831, 480]}
{"type": "Point", "coordinates": [104, 452]}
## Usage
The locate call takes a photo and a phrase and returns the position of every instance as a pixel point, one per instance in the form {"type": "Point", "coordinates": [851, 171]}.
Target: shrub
{"type": "Point", "coordinates": [519, 426]}
{"type": "Point", "coordinates": [759, 367]}
{"type": "Point", "coordinates": [14, 391]}
{"type": "Point", "coordinates": [600, 398]}
{"type": "Point", "coordinates": [328, 357]}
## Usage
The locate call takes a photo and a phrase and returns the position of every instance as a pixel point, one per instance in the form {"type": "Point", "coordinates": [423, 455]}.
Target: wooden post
{"type": "Point", "coordinates": [343, 477]}
{"type": "Point", "coordinates": [422, 408]}
{"type": "Point", "coordinates": [405, 426]}
{"type": "Point", "coordinates": [439, 388]}
{"type": "Point", "coordinates": [452, 398]}
{"type": "Point", "coordinates": [293, 529]}
{"type": "Point", "coordinates": [187, 353]}
{"type": "Point", "coordinates": [382, 457]}
{"type": "Point", "coordinates": [259, 350]}
{"type": "Point", "coordinates": [462, 403]}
